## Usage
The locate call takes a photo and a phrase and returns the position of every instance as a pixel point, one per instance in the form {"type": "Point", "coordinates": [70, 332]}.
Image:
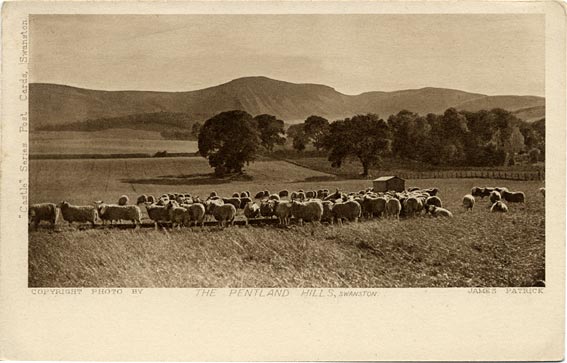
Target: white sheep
{"type": "Point", "coordinates": [393, 208]}
{"type": "Point", "coordinates": [78, 213]}
{"type": "Point", "coordinates": [251, 211]}
{"type": "Point", "coordinates": [327, 211]}
{"type": "Point", "coordinates": [283, 212]}
{"type": "Point", "coordinates": [373, 206]}
{"type": "Point", "coordinates": [412, 206]}
{"type": "Point", "coordinates": [494, 196]}
{"type": "Point", "coordinates": [513, 197]}
{"type": "Point", "coordinates": [224, 213]}
{"type": "Point", "coordinates": [434, 200]}
{"type": "Point", "coordinates": [179, 216]}
{"type": "Point", "coordinates": [310, 211]}
{"type": "Point", "coordinates": [42, 212]}
{"type": "Point", "coordinates": [274, 197]}
{"type": "Point", "coordinates": [349, 210]}
{"type": "Point", "coordinates": [197, 213]}
{"type": "Point", "coordinates": [142, 199]}
{"type": "Point", "coordinates": [123, 200]}
{"type": "Point", "coordinates": [499, 207]}
{"type": "Point", "coordinates": [113, 212]}
{"type": "Point", "coordinates": [439, 212]}
{"type": "Point", "coordinates": [157, 213]}
{"type": "Point", "coordinates": [468, 202]}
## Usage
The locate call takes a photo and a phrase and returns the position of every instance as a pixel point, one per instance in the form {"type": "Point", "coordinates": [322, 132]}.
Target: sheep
{"type": "Point", "coordinates": [123, 200]}
{"type": "Point", "coordinates": [267, 208]}
{"type": "Point", "coordinates": [468, 202]}
{"type": "Point", "coordinates": [350, 210]}
{"type": "Point", "coordinates": [393, 208]}
{"type": "Point", "coordinates": [494, 197]}
{"type": "Point", "coordinates": [223, 213]}
{"type": "Point", "coordinates": [513, 197]}
{"type": "Point", "coordinates": [373, 206]}
{"type": "Point", "coordinates": [327, 211]}
{"type": "Point", "coordinates": [412, 206]}
{"type": "Point", "coordinates": [542, 191]}
{"type": "Point", "coordinates": [434, 200]}
{"type": "Point", "coordinates": [293, 196]}
{"type": "Point", "coordinates": [213, 194]}
{"type": "Point", "coordinates": [234, 201]}
{"type": "Point", "coordinates": [477, 192]}
{"type": "Point", "coordinates": [113, 212]}
{"type": "Point", "coordinates": [501, 189]}
{"type": "Point", "coordinates": [151, 199]}
{"type": "Point", "coordinates": [142, 199]}
{"type": "Point", "coordinates": [196, 213]}
{"type": "Point", "coordinates": [439, 212]}
{"type": "Point", "coordinates": [78, 213]}
{"type": "Point", "coordinates": [236, 195]}
{"type": "Point", "coordinates": [157, 213]}
{"type": "Point", "coordinates": [251, 210]}
{"type": "Point", "coordinates": [282, 211]}
{"type": "Point", "coordinates": [42, 212]}
{"type": "Point", "coordinates": [301, 196]}
{"type": "Point", "coordinates": [259, 195]}
{"type": "Point", "coordinates": [413, 189]}
{"type": "Point", "coordinates": [499, 207]}
{"type": "Point", "coordinates": [310, 194]}
{"type": "Point", "coordinates": [283, 193]}
{"type": "Point", "coordinates": [266, 194]}
{"type": "Point", "coordinates": [274, 197]}
{"type": "Point", "coordinates": [310, 211]}
{"type": "Point", "coordinates": [179, 216]}
{"type": "Point", "coordinates": [244, 201]}
{"type": "Point", "coordinates": [243, 195]}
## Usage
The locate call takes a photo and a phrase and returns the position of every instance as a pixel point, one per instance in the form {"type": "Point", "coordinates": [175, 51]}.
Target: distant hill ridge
{"type": "Point", "coordinates": [53, 104]}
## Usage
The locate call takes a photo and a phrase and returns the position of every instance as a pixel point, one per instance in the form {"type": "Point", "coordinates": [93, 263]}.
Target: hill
{"type": "Point", "coordinates": [52, 104]}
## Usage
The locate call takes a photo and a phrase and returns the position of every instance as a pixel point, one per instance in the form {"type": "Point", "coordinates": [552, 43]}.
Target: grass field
{"type": "Point", "coordinates": [113, 141]}
{"type": "Point", "coordinates": [473, 249]}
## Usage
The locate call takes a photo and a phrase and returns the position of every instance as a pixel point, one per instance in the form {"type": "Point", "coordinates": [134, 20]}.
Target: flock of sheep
{"type": "Point", "coordinates": [182, 209]}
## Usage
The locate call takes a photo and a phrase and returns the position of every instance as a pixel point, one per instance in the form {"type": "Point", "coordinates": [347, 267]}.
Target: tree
{"type": "Point", "coordinates": [271, 131]}
{"type": "Point", "coordinates": [297, 133]}
{"type": "Point", "coordinates": [316, 129]}
{"type": "Point", "coordinates": [365, 137]}
{"type": "Point", "coordinates": [229, 140]}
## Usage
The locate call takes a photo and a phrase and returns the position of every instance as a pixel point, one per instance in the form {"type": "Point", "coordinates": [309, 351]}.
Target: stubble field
{"type": "Point", "coordinates": [472, 249]}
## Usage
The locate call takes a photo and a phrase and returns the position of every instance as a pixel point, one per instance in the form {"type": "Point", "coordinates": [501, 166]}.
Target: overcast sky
{"type": "Point", "coordinates": [490, 54]}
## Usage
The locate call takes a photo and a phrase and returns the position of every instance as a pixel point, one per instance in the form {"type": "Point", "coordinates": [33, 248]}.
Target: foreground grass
{"type": "Point", "coordinates": [473, 249]}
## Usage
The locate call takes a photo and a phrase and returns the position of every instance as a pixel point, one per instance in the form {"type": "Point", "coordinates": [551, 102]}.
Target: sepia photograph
{"type": "Point", "coordinates": [283, 181]}
{"type": "Point", "coordinates": [351, 150]}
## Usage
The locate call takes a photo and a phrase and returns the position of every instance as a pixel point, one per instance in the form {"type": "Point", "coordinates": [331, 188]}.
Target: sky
{"type": "Point", "coordinates": [489, 54]}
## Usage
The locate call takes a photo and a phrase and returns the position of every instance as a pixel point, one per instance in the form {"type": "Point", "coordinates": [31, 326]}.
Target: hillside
{"type": "Point", "coordinates": [52, 104]}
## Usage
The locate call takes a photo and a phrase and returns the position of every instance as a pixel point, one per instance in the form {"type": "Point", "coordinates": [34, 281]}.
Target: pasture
{"type": "Point", "coordinates": [472, 249]}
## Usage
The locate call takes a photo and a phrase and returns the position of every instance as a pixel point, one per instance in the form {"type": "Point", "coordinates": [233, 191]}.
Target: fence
{"type": "Point", "coordinates": [480, 174]}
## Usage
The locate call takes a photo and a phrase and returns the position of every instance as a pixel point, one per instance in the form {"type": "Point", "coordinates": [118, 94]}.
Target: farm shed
{"type": "Point", "coordinates": [386, 183]}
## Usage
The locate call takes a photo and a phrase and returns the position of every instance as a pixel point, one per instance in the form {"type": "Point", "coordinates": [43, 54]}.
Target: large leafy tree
{"type": "Point", "coordinates": [365, 137]}
{"type": "Point", "coordinates": [316, 129]}
{"type": "Point", "coordinates": [297, 134]}
{"type": "Point", "coordinates": [229, 140]}
{"type": "Point", "coordinates": [271, 131]}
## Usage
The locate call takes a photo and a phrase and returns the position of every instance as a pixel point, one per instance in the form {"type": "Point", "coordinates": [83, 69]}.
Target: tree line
{"type": "Point", "coordinates": [233, 139]}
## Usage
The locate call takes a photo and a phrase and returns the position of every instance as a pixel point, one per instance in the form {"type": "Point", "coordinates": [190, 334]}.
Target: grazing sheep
{"type": "Point", "coordinates": [251, 211]}
{"type": "Point", "coordinates": [477, 192]}
{"type": "Point", "coordinates": [123, 200]}
{"type": "Point", "coordinates": [373, 206]}
{"type": "Point", "coordinates": [282, 211]}
{"type": "Point", "coordinates": [434, 200]}
{"type": "Point", "coordinates": [234, 201]}
{"type": "Point", "coordinates": [494, 197]}
{"type": "Point", "coordinates": [412, 206]}
{"type": "Point", "coordinates": [259, 195]}
{"type": "Point", "coordinates": [267, 208]}
{"type": "Point", "coordinates": [439, 212]}
{"type": "Point", "coordinates": [393, 208]}
{"type": "Point", "coordinates": [468, 202]}
{"type": "Point", "coordinates": [42, 212]}
{"type": "Point", "coordinates": [157, 213]}
{"type": "Point", "coordinates": [327, 211]}
{"type": "Point", "coordinates": [499, 207]}
{"type": "Point", "coordinates": [196, 213]}
{"type": "Point", "coordinates": [310, 211]}
{"type": "Point", "coordinates": [513, 197]}
{"type": "Point", "coordinates": [142, 199]}
{"type": "Point", "coordinates": [350, 211]}
{"type": "Point", "coordinates": [113, 212]}
{"type": "Point", "coordinates": [244, 201]}
{"type": "Point", "coordinates": [542, 191]}
{"type": "Point", "coordinates": [283, 193]}
{"type": "Point", "coordinates": [78, 213]}
{"type": "Point", "coordinates": [224, 213]}
{"type": "Point", "coordinates": [179, 216]}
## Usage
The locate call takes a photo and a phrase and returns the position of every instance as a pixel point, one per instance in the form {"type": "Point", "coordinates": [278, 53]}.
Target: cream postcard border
{"type": "Point", "coordinates": [176, 324]}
